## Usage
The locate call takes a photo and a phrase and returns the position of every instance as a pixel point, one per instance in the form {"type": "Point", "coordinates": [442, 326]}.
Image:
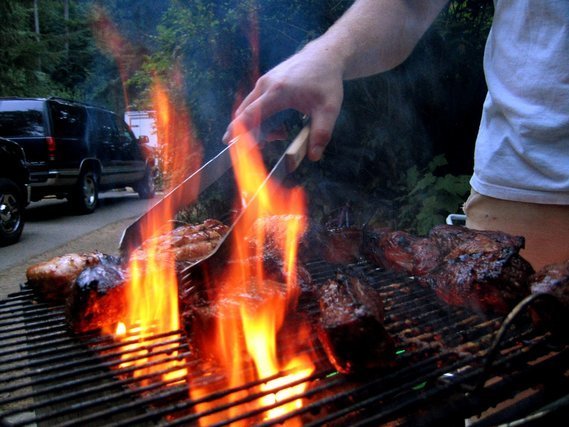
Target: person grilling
{"type": "Point", "coordinates": [520, 183]}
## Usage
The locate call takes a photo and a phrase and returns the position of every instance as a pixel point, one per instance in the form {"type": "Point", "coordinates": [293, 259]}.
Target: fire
{"type": "Point", "coordinates": [152, 289]}
{"type": "Point", "coordinates": [247, 334]}
{"type": "Point", "coordinates": [245, 340]}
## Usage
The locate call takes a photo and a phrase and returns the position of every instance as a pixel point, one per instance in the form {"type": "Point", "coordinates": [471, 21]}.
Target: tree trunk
{"type": "Point", "coordinates": [37, 28]}
{"type": "Point", "coordinates": [66, 19]}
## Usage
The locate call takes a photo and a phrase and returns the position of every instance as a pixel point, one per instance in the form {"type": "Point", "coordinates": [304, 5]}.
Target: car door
{"type": "Point", "coordinates": [133, 162]}
{"type": "Point", "coordinates": [68, 130]}
{"type": "Point", "coordinates": [103, 138]}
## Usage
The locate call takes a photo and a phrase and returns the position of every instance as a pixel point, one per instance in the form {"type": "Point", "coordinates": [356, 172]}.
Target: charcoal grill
{"type": "Point", "coordinates": [451, 365]}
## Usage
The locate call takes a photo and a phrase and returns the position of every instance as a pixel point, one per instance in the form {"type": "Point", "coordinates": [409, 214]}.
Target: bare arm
{"type": "Point", "coordinates": [377, 35]}
{"type": "Point", "coordinates": [371, 37]}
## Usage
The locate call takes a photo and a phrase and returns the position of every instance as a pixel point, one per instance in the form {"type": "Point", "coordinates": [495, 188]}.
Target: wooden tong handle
{"type": "Point", "coordinates": [296, 151]}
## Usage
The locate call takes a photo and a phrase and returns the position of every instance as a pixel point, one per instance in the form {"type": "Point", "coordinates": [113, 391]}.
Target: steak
{"type": "Point", "coordinates": [449, 237]}
{"type": "Point", "coordinates": [97, 300]}
{"type": "Point", "coordinates": [52, 280]}
{"type": "Point", "coordinates": [402, 251]}
{"type": "Point", "coordinates": [342, 245]}
{"type": "Point", "coordinates": [350, 326]}
{"type": "Point", "coordinates": [554, 280]}
{"type": "Point", "coordinates": [480, 270]}
{"type": "Point", "coordinates": [483, 271]}
{"type": "Point", "coordinates": [551, 313]}
{"type": "Point", "coordinates": [204, 300]}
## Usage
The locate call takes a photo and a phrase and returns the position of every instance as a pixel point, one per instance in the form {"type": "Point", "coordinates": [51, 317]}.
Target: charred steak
{"type": "Point", "coordinates": [483, 271]}
{"type": "Point", "coordinates": [402, 251]}
{"type": "Point", "coordinates": [480, 270]}
{"type": "Point", "coordinates": [448, 237]}
{"type": "Point", "coordinates": [552, 314]}
{"type": "Point", "coordinates": [553, 279]}
{"type": "Point", "coordinates": [204, 301]}
{"type": "Point", "coordinates": [97, 299]}
{"type": "Point", "coordinates": [52, 280]}
{"type": "Point", "coordinates": [342, 245]}
{"type": "Point", "coordinates": [350, 326]}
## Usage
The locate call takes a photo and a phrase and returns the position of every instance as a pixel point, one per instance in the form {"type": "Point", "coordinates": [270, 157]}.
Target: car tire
{"type": "Point", "coordinates": [11, 212]}
{"type": "Point", "coordinates": [146, 188]}
{"type": "Point", "coordinates": [85, 196]}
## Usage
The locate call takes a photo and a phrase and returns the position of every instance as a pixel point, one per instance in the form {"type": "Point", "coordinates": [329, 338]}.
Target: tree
{"type": "Point", "coordinates": [19, 74]}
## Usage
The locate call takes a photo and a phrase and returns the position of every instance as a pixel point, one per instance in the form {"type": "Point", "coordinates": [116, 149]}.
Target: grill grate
{"type": "Point", "coordinates": [48, 376]}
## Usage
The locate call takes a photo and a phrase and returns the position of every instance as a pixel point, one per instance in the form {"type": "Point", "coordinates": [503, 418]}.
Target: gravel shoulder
{"type": "Point", "coordinates": [105, 239]}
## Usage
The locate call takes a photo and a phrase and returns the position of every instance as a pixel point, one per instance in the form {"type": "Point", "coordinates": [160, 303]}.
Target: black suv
{"type": "Point", "coordinates": [75, 150]}
{"type": "Point", "coordinates": [14, 191]}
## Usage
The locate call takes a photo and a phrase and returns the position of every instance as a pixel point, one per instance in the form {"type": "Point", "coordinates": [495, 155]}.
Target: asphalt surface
{"type": "Point", "coordinates": [52, 230]}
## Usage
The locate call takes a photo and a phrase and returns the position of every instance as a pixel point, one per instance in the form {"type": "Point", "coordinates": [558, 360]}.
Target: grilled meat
{"type": "Point", "coordinates": [97, 298]}
{"type": "Point", "coordinates": [187, 243]}
{"type": "Point", "coordinates": [338, 245]}
{"type": "Point", "coordinates": [350, 326]}
{"type": "Point", "coordinates": [202, 316]}
{"type": "Point", "coordinates": [553, 279]}
{"type": "Point", "coordinates": [342, 245]}
{"type": "Point", "coordinates": [202, 305]}
{"type": "Point", "coordinates": [52, 279]}
{"type": "Point", "coordinates": [482, 273]}
{"type": "Point", "coordinates": [481, 270]}
{"type": "Point", "coordinates": [449, 237]}
{"type": "Point", "coordinates": [548, 313]}
{"type": "Point", "coordinates": [402, 251]}
{"type": "Point", "coordinates": [273, 229]}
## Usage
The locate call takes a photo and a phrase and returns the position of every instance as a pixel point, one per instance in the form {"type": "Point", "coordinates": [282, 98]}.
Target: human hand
{"type": "Point", "coordinates": [309, 82]}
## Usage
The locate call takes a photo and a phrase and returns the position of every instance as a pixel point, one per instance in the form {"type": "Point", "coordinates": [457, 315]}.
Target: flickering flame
{"type": "Point", "coordinates": [247, 334]}
{"type": "Point", "coordinates": [152, 290]}
{"type": "Point", "coordinates": [289, 392]}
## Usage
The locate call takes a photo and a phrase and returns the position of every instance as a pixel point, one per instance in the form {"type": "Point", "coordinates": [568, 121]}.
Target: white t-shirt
{"type": "Point", "coordinates": [522, 150]}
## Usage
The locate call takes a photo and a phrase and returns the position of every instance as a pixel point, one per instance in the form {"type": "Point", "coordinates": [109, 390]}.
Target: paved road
{"type": "Point", "coordinates": [50, 224]}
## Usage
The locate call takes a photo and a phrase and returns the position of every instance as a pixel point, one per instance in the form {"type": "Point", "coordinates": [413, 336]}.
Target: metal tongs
{"type": "Point", "coordinates": [186, 193]}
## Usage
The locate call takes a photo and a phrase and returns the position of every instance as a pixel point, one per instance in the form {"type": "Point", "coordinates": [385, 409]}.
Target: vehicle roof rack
{"type": "Point", "coordinates": [71, 101]}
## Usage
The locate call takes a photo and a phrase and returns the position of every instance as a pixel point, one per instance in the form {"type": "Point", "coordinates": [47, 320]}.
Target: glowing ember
{"type": "Point", "coordinates": [283, 394]}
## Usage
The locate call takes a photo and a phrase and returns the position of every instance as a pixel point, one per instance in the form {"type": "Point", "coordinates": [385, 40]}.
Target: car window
{"type": "Point", "coordinates": [128, 142]}
{"type": "Point", "coordinates": [102, 130]}
{"type": "Point", "coordinates": [124, 132]}
{"type": "Point", "coordinates": [68, 121]}
{"type": "Point", "coordinates": [21, 119]}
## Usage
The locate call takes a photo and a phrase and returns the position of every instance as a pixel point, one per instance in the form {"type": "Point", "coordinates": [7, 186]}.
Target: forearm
{"type": "Point", "coordinates": [376, 35]}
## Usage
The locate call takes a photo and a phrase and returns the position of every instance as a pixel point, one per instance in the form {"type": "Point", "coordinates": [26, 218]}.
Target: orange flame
{"type": "Point", "coordinates": [152, 291]}
{"type": "Point", "coordinates": [247, 333]}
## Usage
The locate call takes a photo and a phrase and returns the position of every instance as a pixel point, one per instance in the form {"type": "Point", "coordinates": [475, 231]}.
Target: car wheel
{"type": "Point", "coordinates": [11, 212]}
{"type": "Point", "coordinates": [86, 195]}
{"type": "Point", "coordinates": [146, 188]}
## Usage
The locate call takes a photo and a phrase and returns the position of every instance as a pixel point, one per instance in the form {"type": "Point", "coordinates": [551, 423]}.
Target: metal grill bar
{"type": "Point", "coordinates": [52, 377]}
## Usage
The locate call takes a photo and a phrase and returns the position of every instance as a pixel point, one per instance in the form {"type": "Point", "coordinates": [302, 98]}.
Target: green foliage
{"type": "Point", "coordinates": [428, 199]}
{"type": "Point", "coordinates": [53, 62]}
{"type": "Point", "coordinates": [209, 53]}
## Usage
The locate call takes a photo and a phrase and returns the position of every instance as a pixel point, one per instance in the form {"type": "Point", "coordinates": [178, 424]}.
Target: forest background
{"type": "Point", "coordinates": [402, 150]}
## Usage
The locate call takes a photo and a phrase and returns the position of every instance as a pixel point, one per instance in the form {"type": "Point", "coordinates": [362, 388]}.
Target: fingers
{"type": "Point", "coordinates": [321, 128]}
{"type": "Point", "coordinates": [254, 109]}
